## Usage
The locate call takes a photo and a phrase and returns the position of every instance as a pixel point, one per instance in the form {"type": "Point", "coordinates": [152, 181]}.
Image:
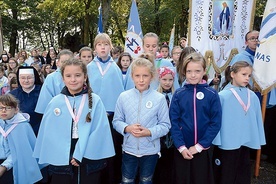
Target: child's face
{"type": "Point", "coordinates": [53, 55]}
{"type": "Point", "coordinates": [166, 81]}
{"type": "Point", "coordinates": [7, 112]}
{"type": "Point", "coordinates": [12, 64]}
{"type": "Point", "coordinates": [142, 77]}
{"type": "Point", "coordinates": [48, 69]}
{"type": "Point", "coordinates": [150, 45]}
{"type": "Point", "coordinates": [176, 54]}
{"type": "Point", "coordinates": [194, 72]}
{"type": "Point", "coordinates": [164, 52]}
{"type": "Point", "coordinates": [183, 43]}
{"type": "Point", "coordinates": [115, 55]}
{"type": "Point", "coordinates": [86, 56]}
{"type": "Point", "coordinates": [21, 59]}
{"type": "Point", "coordinates": [103, 49]}
{"type": "Point", "coordinates": [14, 86]}
{"type": "Point", "coordinates": [125, 62]}
{"type": "Point", "coordinates": [61, 60]}
{"type": "Point", "coordinates": [74, 78]}
{"type": "Point", "coordinates": [242, 77]}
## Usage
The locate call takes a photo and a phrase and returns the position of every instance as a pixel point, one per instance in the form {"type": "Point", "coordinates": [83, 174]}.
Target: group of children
{"type": "Point", "coordinates": [123, 127]}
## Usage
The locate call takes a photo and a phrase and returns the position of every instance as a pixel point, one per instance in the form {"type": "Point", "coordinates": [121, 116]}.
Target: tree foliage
{"type": "Point", "coordinates": [69, 23]}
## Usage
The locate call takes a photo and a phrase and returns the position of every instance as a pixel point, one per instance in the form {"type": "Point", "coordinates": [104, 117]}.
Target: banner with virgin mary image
{"type": "Point", "coordinates": [219, 27]}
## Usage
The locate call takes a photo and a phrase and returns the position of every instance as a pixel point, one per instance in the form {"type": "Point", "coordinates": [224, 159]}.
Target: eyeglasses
{"type": "Point", "coordinates": [11, 62]}
{"type": "Point", "coordinates": [254, 39]}
{"type": "Point", "coordinates": [7, 108]}
{"type": "Point", "coordinates": [26, 78]}
{"type": "Point", "coordinates": [177, 53]}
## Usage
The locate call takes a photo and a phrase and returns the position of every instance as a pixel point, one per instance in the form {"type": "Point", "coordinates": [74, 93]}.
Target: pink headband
{"type": "Point", "coordinates": [164, 71]}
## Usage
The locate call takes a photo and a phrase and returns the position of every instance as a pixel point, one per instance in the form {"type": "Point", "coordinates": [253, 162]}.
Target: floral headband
{"type": "Point", "coordinates": [164, 71]}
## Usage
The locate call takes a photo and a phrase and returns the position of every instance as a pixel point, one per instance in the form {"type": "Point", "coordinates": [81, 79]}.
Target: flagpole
{"type": "Point", "coordinates": [258, 156]}
{"type": "Point", "coordinates": [1, 36]}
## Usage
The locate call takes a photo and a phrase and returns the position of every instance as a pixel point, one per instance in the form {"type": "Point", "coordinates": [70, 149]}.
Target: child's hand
{"type": "Point", "coordinates": [193, 150]}
{"type": "Point", "coordinates": [141, 132]}
{"type": "Point", "coordinates": [187, 154]}
{"type": "Point", "coordinates": [74, 162]}
{"type": "Point", "coordinates": [133, 127]}
{"type": "Point", "coordinates": [2, 170]}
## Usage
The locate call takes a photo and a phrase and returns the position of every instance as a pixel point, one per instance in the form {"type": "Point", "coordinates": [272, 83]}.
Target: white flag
{"type": "Point", "coordinates": [133, 43]}
{"type": "Point", "coordinates": [171, 43]}
{"type": "Point", "coordinates": [265, 57]}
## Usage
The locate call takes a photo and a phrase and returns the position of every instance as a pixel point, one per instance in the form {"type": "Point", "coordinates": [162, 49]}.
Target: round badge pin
{"type": "Point", "coordinates": [200, 95]}
{"type": "Point", "coordinates": [149, 104]}
{"type": "Point", "coordinates": [217, 162]}
{"type": "Point", "coordinates": [57, 111]}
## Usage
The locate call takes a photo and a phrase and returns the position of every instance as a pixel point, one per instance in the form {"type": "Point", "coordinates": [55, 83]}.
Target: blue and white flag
{"type": "Point", "coordinates": [265, 57]}
{"type": "Point", "coordinates": [171, 43]}
{"type": "Point", "coordinates": [133, 43]}
{"type": "Point", "coordinates": [100, 21]}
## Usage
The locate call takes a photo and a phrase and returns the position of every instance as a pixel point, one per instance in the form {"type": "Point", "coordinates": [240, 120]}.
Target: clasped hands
{"type": "Point", "coordinates": [188, 153]}
{"type": "Point", "coordinates": [137, 130]}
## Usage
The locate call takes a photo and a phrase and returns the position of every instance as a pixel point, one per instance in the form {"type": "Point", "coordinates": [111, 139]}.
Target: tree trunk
{"type": "Point", "coordinates": [86, 23]}
{"type": "Point", "coordinates": [86, 29]}
{"type": "Point", "coordinates": [41, 41]}
{"type": "Point", "coordinates": [183, 21]}
{"type": "Point", "coordinates": [106, 6]}
{"type": "Point", "coordinates": [157, 22]}
{"type": "Point", "coordinates": [1, 36]}
{"type": "Point", "coordinates": [119, 28]}
{"type": "Point", "coordinates": [13, 32]}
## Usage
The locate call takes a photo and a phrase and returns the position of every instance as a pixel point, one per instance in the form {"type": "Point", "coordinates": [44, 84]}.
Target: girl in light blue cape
{"type": "Point", "coordinates": [241, 128]}
{"type": "Point", "coordinates": [74, 138]}
{"type": "Point", "coordinates": [17, 141]}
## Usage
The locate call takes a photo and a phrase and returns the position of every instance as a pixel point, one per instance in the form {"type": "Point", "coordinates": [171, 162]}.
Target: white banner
{"type": "Point", "coordinates": [133, 43]}
{"type": "Point", "coordinates": [220, 26]}
{"type": "Point", "coordinates": [265, 57]}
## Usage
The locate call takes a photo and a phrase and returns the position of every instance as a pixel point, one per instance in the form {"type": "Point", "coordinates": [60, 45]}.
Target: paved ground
{"type": "Point", "coordinates": [267, 173]}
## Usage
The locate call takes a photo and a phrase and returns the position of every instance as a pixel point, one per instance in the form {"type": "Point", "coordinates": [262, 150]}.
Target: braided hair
{"type": "Point", "coordinates": [77, 62]}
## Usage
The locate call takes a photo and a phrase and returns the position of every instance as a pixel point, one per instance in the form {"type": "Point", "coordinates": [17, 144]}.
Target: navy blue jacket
{"type": "Point", "coordinates": [27, 104]}
{"type": "Point", "coordinates": [195, 114]}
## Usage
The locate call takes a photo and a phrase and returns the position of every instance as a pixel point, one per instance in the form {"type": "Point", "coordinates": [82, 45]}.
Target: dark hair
{"type": "Point", "coordinates": [235, 68]}
{"type": "Point", "coordinates": [13, 81]}
{"type": "Point", "coordinates": [2, 69]}
{"type": "Point", "coordinates": [44, 70]}
{"type": "Point", "coordinates": [246, 39]}
{"type": "Point", "coordinates": [9, 100]}
{"type": "Point", "coordinates": [184, 53]}
{"type": "Point", "coordinates": [120, 58]}
{"type": "Point", "coordinates": [115, 50]}
{"type": "Point", "coordinates": [165, 46]}
{"type": "Point", "coordinates": [77, 62]}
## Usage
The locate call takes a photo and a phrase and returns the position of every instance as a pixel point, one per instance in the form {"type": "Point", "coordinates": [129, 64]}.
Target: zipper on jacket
{"type": "Point", "coordinates": [138, 120]}
{"type": "Point", "coordinates": [195, 119]}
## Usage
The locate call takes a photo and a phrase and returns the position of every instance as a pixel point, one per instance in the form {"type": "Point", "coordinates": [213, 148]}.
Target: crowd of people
{"type": "Point", "coordinates": [100, 116]}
